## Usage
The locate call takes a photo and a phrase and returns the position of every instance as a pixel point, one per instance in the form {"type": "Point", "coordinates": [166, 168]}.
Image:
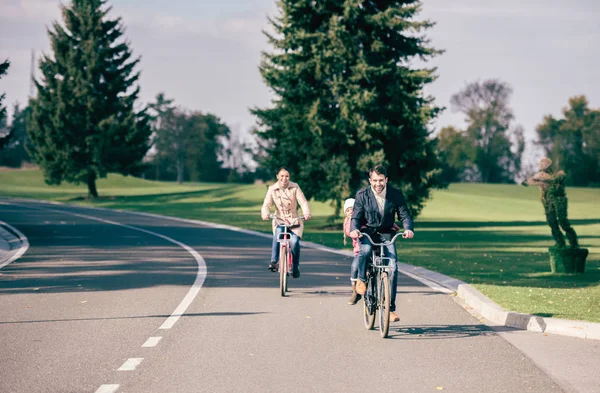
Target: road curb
{"type": "Point", "coordinates": [488, 309]}
{"type": "Point", "coordinates": [472, 299]}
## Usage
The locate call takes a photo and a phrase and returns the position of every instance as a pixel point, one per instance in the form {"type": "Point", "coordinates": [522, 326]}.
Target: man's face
{"type": "Point", "coordinates": [378, 182]}
{"type": "Point", "coordinates": [284, 178]}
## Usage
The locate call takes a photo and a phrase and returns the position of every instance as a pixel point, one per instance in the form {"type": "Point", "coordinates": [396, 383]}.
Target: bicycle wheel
{"type": "Point", "coordinates": [282, 270]}
{"type": "Point", "coordinates": [288, 268]}
{"type": "Point", "coordinates": [369, 302]}
{"type": "Point", "coordinates": [384, 304]}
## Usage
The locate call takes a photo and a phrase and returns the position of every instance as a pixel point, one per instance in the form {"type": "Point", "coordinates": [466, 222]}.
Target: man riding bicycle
{"type": "Point", "coordinates": [375, 208]}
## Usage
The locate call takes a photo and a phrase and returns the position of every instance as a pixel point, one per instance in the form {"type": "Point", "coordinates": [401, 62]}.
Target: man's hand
{"type": "Point", "coordinates": [408, 234]}
{"type": "Point", "coordinates": [265, 217]}
{"type": "Point", "coordinates": [395, 227]}
{"type": "Point", "coordinates": [355, 234]}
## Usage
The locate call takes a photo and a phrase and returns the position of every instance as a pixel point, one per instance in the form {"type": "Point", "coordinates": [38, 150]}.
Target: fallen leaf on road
{"type": "Point", "coordinates": [439, 388]}
{"type": "Point", "coordinates": [308, 316]}
{"type": "Point", "coordinates": [84, 301]}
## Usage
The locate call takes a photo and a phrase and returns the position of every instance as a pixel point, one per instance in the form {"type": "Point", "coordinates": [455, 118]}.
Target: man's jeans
{"type": "Point", "coordinates": [354, 269]}
{"type": "Point", "coordinates": [294, 246]}
{"type": "Point", "coordinates": [365, 255]}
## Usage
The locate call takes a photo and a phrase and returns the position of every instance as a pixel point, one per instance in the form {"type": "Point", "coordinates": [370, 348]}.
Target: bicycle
{"type": "Point", "coordinates": [377, 297]}
{"type": "Point", "coordinates": [285, 252]}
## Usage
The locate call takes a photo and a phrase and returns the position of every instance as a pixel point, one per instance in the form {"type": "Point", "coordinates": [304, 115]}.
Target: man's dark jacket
{"type": "Point", "coordinates": [366, 214]}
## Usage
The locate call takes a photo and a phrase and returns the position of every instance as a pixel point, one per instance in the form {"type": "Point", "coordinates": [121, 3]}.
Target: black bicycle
{"type": "Point", "coordinates": [378, 292]}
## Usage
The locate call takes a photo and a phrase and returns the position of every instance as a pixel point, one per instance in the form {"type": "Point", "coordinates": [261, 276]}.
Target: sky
{"type": "Point", "coordinates": [205, 54]}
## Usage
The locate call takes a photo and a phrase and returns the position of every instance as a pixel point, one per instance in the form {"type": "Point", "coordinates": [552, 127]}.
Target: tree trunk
{"type": "Point", "coordinates": [91, 183]}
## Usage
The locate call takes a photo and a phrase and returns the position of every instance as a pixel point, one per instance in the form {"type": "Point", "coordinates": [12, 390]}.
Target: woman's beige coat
{"type": "Point", "coordinates": [286, 201]}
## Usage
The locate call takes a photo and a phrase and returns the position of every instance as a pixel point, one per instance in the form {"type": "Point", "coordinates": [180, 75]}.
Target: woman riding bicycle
{"type": "Point", "coordinates": [286, 196]}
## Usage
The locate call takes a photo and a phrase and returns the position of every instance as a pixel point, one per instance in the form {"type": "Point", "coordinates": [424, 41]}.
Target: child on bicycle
{"type": "Point", "coordinates": [348, 205]}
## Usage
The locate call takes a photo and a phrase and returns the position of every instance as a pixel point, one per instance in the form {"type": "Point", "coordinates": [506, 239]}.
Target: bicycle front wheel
{"type": "Point", "coordinates": [369, 305]}
{"type": "Point", "coordinates": [283, 270]}
{"type": "Point", "coordinates": [384, 304]}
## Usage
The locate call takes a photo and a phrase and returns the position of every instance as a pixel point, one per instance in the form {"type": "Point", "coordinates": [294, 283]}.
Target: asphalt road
{"type": "Point", "coordinates": [115, 302]}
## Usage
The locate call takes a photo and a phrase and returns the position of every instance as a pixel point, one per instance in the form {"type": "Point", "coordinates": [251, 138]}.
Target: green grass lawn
{"type": "Point", "coordinates": [492, 236]}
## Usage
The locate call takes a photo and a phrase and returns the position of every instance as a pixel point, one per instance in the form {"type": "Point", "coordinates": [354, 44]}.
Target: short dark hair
{"type": "Point", "coordinates": [284, 168]}
{"type": "Point", "coordinates": [378, 169]}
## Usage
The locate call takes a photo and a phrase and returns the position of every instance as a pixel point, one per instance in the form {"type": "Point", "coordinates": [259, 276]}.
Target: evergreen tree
{"type": "Point", "coordinates": [4, 139]}
{"type": "Point", "coordinates": [347, 97]}
{"type": "Point", "coordinates": [84, 123]}
{"type": "Point", "coordinates": [15, 153]}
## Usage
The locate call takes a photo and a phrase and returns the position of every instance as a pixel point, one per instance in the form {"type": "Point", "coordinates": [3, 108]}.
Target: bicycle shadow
{"type": "Point", "coordinates": [437, 332]}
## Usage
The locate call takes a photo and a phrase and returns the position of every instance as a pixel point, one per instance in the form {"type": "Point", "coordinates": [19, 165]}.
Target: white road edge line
{"type": "Point", "coordinates": [200, 275]}
{"type": "Point", "coordinates": [151, 342]}
{"type": "Point", "coordinates": [24, 245]}
{"type": "Point", "coordinates": [130, 364]}
{"type": "Point", "coordinates": [111, 388]}
{"type": "Point", "coordinates": [425, 281]}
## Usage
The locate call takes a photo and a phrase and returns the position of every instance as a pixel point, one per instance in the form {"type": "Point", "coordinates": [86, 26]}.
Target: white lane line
{"type": "Point", "coordinates": [107, 388]}
{"type": "Point", "coordinates": [151, 342]}
{"type": "Point", "coordinates": [425, 281]}
{"type": "Point", "coordinates": [130, 364]}
{"type": "Point", "coordinates": [24, 245]}
{"type": "Point", "coordinates": [200, 274]}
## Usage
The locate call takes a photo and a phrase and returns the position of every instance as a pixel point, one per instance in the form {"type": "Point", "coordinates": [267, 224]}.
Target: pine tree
{"type": "Point", "coordinates": [83, 122]}
{"type": "Point", "coordinates": [4, 139]}
{"type": "Point", "coordinates": [14, 153]}
{"type": "Point", "coordinates": [347, 97]}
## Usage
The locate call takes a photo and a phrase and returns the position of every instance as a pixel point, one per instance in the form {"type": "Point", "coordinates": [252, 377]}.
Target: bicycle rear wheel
{"type": "Point", "coordinates": [384, 304]}
{"type": "Point", "coordinates": [369, 304]}
{"type": "Point", "coordinates": [283, 270]}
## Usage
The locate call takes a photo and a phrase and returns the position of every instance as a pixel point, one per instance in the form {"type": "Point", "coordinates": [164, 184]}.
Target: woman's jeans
{"type": "Point", "coordinates": [365, 255]}
{"type": "Point", "coordinates": [294, 246]}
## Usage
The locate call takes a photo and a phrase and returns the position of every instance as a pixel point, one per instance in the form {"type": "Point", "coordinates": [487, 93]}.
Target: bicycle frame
{"type": "Point", "coordinates": [378, 296]}
{"type": "Point", "coordinates": [285, 251]}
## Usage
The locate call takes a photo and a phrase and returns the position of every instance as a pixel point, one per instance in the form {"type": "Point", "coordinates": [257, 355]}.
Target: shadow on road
{"type": "Point", "coordinates": [186, 315]}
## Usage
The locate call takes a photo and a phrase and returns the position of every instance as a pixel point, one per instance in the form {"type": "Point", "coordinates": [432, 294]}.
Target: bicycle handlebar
{"type": "Point", "coordinates": [280, 222]}
{"type": "Point", "coordinates": [385, 243]}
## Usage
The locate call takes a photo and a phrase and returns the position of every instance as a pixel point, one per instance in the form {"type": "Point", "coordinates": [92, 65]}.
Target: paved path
{"type": "Point", "coordinates": [93, 306]}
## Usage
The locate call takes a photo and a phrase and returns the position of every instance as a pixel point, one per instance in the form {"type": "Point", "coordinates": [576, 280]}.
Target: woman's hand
{"type": "Point", "coordinates": [307, 217]}
{"type": "Point", "coordinates": [408, 234]}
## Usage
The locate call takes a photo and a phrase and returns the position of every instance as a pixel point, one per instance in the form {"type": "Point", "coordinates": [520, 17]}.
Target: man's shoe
{"type": "Point", "coordinates": [273, 266]}
{"type": "Point", "coordinates": [361, 287]}
{"type": "Point", "coordinates": [295, 272]}
{"type": "Point", "coordinates": [394, 317]}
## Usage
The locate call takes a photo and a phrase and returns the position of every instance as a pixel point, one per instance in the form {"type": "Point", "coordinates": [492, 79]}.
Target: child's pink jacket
{"type": "Point", "coordinates": [355, 244]}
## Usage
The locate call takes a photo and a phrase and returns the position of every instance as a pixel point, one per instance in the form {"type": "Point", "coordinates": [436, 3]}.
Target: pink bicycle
{"type": "Point", "coordinates": [285, 251]}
